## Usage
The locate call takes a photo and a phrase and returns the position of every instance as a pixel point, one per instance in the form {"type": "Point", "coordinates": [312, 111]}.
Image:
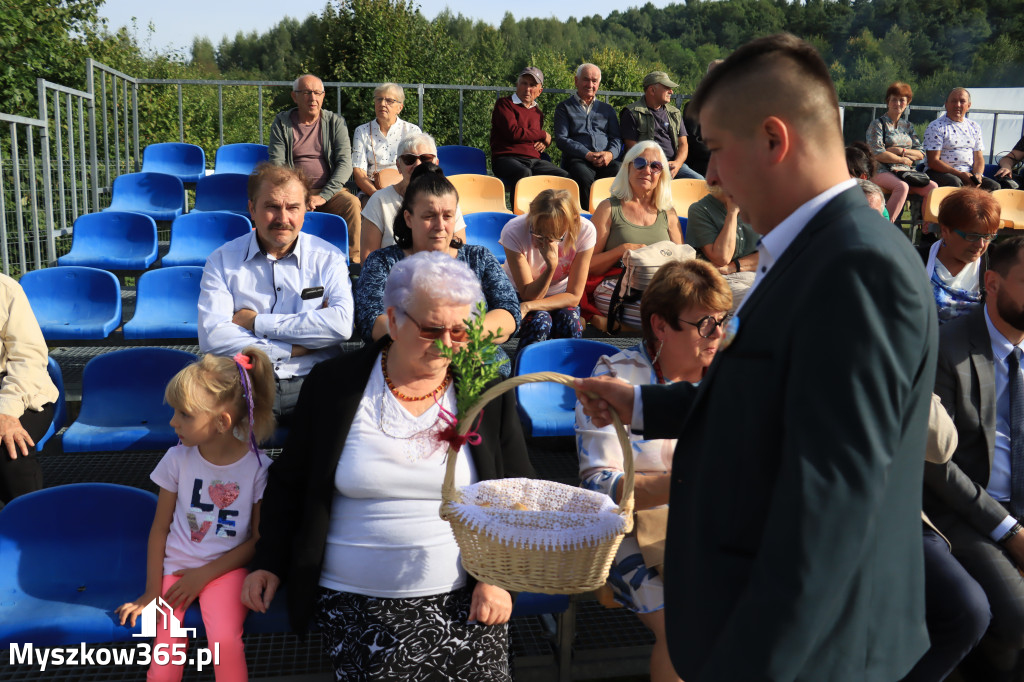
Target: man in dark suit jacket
{"type": "Point", "coordinates": [794, 538]}
{"type": "Point", "coordinates": [968, 497]}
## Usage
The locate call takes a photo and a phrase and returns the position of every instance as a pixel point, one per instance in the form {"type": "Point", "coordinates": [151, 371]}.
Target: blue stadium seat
{"type": "Point", "coordinates": [682, 225]}
{"type": "Point", "coordinates": [74, 303]}
{"type": "Point", "coordinates": [69, 556]}
{"type": "Point", "coordinates": [329, 227]}
{"type": "Point", "coordinates": [113, 240]}
{"type": "Point", "coordinates": [485, 228]}
{"type": "Point", "coordinates": [123, 401]}
{"type": "Point", "coordinates": [990, 170]}
{"type": "Point", "coordinates": [457, 160]}
{"type": "Point", "coordinates": [194, 236]}
{"type": "Point", "coordinates": [167, 304]}
{"type": "Point", "coordinates": [547, 409]}
{"type": "Point", "coordinates": [158, 195]}
{"type": "Point", "coordinates": [187, 162]}
{"type": "Point", "coordinates": [60, 408]}
{"type": "Point", "coordinates": [223, 192]}
{"type": "Point", "coordinates": [240, 158]}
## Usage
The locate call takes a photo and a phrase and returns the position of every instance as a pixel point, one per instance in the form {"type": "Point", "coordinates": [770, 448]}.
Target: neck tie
{"type": "Point", "coordinates": [1016, 390]}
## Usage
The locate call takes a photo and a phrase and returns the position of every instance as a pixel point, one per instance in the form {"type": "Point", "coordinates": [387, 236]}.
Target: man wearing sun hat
{"type": "Point", "coordinates": [517, 133]}
{"type": "Point", "coordinates": [653, 117]}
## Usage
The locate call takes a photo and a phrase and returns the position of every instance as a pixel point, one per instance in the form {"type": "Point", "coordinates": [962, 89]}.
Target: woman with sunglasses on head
{"type": "Point", "coordinates": [968, 223]}
{"type": "Point", "coordinates": [683, 314]}
{"type": "Point", "coordinates": [547, 255]}
{"type": "Point", "coordinates": [382, 208]}
{"type": "Point", "coordinates": [350, 519]}
{"type": "Point", "coordinates": [375, 144]}
{"type": "Point", "coordinates": [639, 211]}
{"type": "Point", "coordinates": [427, 222]}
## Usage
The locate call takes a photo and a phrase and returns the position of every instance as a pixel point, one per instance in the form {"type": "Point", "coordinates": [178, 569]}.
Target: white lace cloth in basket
{"type": "Point", "coordinates": [556, 516]}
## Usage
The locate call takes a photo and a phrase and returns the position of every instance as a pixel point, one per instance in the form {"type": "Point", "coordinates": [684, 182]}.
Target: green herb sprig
{"type": "Point", "coordinates": [473, 362]}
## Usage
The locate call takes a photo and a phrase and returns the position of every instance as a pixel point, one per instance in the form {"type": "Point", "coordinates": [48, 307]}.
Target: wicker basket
{"type": "Point", "coordinates": [552, 567]}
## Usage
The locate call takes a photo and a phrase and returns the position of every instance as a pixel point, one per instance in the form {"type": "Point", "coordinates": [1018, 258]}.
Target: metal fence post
{"type": "Point", "coordinates": [44, 143]}
{"type": "Point", "coordinates": [90, 87]}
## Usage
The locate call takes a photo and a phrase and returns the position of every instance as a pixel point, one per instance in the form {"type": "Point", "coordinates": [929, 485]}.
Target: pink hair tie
{"type": "Point", "coordinates": [244, 365]}
{"type": "Point", "coordinates": [243, 360]}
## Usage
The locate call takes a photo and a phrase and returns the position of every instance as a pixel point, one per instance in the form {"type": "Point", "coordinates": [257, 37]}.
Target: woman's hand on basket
{"type": "Point", "coordinates": [491, 605]}
{"type": "Point", "coordinates": [612, 394]}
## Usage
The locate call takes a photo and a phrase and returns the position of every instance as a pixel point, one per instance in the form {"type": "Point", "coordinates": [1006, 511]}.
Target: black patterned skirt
{"type": "Point", "coordinates": [424, 639]}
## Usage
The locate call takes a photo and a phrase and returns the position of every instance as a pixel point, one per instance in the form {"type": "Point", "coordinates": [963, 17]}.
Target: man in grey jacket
{"type": "Point", "coordinates": [316, 141]}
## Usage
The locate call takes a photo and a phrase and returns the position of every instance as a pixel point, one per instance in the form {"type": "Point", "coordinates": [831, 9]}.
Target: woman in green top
{"type": "Point", "coordinates": [639, 211]}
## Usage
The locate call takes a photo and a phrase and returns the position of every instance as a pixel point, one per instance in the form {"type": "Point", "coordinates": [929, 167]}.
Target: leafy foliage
{"type": "Point", "coordinates": [473, 363]}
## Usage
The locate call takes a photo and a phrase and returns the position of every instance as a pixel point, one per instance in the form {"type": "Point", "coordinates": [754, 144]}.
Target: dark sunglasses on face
{"type": "Point", "coordinates": [411, 159]}
{"type": "Point", "coordinates": [975, 236]}
{"type": "Point", "coordinates": [458, 334]}
{"type": "Point", "coordinates": [707, 325]}
{"type": "Point", "coordinates": [640, 163]}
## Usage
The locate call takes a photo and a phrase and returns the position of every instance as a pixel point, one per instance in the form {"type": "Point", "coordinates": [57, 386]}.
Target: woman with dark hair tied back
{"type": "Point", "coordinates": [426, 222]}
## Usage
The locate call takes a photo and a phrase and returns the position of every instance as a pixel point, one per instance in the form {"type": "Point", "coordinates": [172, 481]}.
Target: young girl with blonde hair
{"type": "Point", "coordinates": [207, 515]}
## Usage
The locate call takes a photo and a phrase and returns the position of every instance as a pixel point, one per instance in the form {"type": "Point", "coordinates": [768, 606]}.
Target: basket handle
{"type": "Point", "coordinates": [448, 491]}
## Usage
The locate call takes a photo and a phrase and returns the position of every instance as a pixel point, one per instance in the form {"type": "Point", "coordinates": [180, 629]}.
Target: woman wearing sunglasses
{"type": "Point", "coordinates": [382, 208]}
{"type": "Point", "coordinates": [427, 222]}
{"type": "Point", "coordinates": [547, 254]}
{"type": "Point", "coordinates": [683, 314]}
{"type": "Point", "coordinates": [355, 495]}
{"type": "Point", "coordinates": [968, 222]}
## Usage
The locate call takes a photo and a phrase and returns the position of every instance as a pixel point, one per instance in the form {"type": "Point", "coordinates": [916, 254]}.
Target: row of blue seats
{"type": "Point", "coordinates": [187, 162]}
{"type": "Point", "coordinates": [127, 241]}
{"type": "Point", "coordinates": [123, 407]}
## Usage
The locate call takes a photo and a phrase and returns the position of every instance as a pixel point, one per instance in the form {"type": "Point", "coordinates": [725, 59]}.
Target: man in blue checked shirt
{"type": "Point", "coordinates": [286, 292]}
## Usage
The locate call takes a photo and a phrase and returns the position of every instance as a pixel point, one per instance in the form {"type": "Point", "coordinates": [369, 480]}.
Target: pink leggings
{"type": "Point", "coordinates": [223, 615]}
{"type": "Point", "coordinates": [900, 190]}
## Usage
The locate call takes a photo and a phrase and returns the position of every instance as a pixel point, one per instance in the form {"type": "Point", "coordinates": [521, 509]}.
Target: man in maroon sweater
{"type": "Point", "coordinates": [517, 133]}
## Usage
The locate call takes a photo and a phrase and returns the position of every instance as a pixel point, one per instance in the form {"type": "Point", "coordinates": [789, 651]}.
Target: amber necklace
{"type": "Point", "coordinates": [401, 396]}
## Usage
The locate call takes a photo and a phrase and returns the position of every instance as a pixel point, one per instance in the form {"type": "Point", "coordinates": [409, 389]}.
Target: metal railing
{"type": "Point", "coordinates": [62, 164]}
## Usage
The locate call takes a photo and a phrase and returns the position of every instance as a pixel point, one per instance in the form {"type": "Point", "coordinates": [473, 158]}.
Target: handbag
{"type": "Point", "coordinates": [913, 178]}
{"type": "Point", "coordinates": [384, 177]}
{"type": "Point", "coordinates": [651, 529]}
{"type": "Point", "coordinates": [638, 268]}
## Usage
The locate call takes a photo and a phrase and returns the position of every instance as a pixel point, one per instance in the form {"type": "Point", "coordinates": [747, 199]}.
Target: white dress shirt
{"type": "Point", "coordinates": [239, 275]}
{"type": "Point", "coordinates": [999, 479]}
{"type": "Point", "coordinates": [770, 250]}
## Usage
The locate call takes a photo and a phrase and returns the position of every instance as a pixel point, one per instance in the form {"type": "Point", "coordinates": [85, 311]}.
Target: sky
{"type": "Point", "coordinates": [177, 23]}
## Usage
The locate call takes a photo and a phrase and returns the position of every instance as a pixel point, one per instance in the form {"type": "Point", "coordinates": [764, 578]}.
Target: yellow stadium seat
{"type": "Point", "coordinates": [528, 188]}
{"type": "Point", "coordinates": [685, 192]}
{"type": "Point", "coordinates": [479, 193]}
{"type": "Point", "coordinates": [1011, 204]}
{"type": "Point", "coordinates": [599, 191]}
{"type": "Point", "coordinates": [930, 208]}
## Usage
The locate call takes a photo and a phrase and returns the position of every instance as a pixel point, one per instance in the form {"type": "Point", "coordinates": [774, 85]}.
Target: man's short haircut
{"type": "Point", "coordinates": [778, 75]}
{"type": "Point", "coordinates": [713, 64]}
{"type": "Point", "coordinates": [956, 90]}
{"type": "Point", "coordinates": [385, 88]}
{"type": "Point", "coordinates": [1004, 254]}
{"type": "Point", "coordinates": [587, 65]}
{"type": "Point", "coordinates": [415, 141]}
{"type": "Point", "coordinates": [269, 174]}
{"type": "Point", "coordinates": [870, 189]}
{"type": "Point", "coordinates": [295, 83]}
{"type": "Point", "coordinates": [898, 89]}
{"type": "Point", "coordinates": [678, 285]}
{"type": "Point", "coordinates": [970, 209]}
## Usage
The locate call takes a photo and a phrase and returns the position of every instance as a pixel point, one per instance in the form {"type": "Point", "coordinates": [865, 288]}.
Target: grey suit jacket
{"type": "Point", "coordinates": [794, 541]}
{"type": "Point", "coordinates": [964, 381]}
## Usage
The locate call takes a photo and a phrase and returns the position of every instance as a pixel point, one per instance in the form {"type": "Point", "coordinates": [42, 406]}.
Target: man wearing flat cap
{"type": "Point", "coordinates": [517, 133]}
{"type": "Point", "coordinates": [653, 117]}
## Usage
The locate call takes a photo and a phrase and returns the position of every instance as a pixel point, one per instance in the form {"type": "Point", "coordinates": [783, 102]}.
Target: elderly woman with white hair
{"type": "Point", "coordinates": [375, 144]}
{"type": "Point", "coordinates": [352, 525]}
{"type": "Point", "coordinates": [380, 211]}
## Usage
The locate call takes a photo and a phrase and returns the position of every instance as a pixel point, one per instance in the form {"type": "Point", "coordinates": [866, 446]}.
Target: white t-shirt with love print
{"type": "Point", "coordinates": [515, 236]}
{"type": "Point", "coordinates": [213, 512]}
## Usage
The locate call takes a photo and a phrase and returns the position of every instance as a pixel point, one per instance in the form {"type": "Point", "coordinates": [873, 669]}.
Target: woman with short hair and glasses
{"type": "Point", "coordinates": [968, 222]}
{"type": "Point", "coordinates": [547, 255]}
{"type": "Point", "coordinates": [427, 222]}
{"type": "Point", "coordinates": [375, 144]}
{"type": "Point", "coordinates": [354, 529]}
{"type": "Point", "coordinates": [382, 208]}
{"type": "Point", "coordinates": [683, 313]}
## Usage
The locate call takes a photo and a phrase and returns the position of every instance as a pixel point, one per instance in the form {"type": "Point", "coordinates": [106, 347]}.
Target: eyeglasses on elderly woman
{"type": "Point", "coordinates": [458, 333]}
{"type": "Point", "coordinates": [707, 325]}
{"type": "Point", "coordinates": [975, 236]}
{"type": "Point", "coordinates": [390, 101]}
